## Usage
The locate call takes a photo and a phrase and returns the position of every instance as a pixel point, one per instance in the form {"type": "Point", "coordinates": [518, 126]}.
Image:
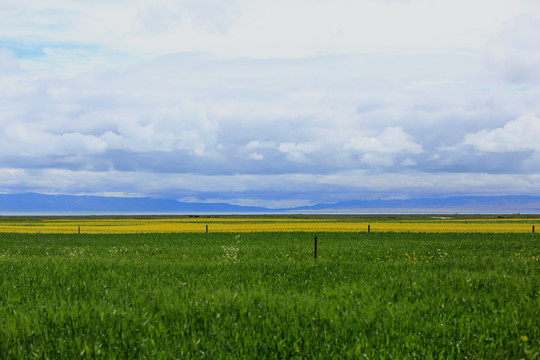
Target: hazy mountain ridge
{"type": "Point", "coordinates": [33, 202]}
{"type": "Point", "coordinates": [511, 203]}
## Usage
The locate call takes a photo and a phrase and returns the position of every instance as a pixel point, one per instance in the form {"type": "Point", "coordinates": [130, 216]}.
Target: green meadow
{"type": "Point", "coordinates": [264, 296]}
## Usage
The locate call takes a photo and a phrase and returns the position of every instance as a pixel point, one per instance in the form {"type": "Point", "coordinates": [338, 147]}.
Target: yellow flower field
{"type": "Point", "coordinates": [187, 225]}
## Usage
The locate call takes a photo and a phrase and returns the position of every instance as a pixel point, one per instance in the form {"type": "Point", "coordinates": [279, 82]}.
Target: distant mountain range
{"type": "Point", "coordinates": [456, 204]}
{"type": "Point", "coordinates": [39, 203]}
{"type": "Point", "coordinates": [31, 202]}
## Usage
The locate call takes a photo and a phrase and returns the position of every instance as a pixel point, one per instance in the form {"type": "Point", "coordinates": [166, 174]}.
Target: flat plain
{"type": "Point", "coordinates": [271, 223]}
{"type": "Point", "coordinates": [261, 294]}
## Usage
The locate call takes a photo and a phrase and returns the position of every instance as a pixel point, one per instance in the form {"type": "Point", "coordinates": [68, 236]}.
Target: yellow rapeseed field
{"type": "Point", "coordinates": [187, 225]}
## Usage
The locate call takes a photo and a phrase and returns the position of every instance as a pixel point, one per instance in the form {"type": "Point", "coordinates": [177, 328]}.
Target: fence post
{"type": "Point", "coordinates": [207, 229]}
{"type": "Point", "coordinates": [80, 230]}
{"type": "Point", "coordinates": [315, 248]}
{"type": "Point", "coordinates": [533, 229]}
{"type": "Point", "coordinates": [368, 228]}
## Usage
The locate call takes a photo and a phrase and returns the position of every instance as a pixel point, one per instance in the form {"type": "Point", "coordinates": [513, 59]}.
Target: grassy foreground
{"type": "Point", "coordinates": [262, 295]}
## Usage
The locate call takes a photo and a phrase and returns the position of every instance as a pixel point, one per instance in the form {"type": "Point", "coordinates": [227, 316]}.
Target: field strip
{"type": "Point", "coordinates": [127, 226]}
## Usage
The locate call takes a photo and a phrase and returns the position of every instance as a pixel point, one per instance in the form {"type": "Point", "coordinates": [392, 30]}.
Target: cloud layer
{"type": "Point", "coordinates": [270, 103]}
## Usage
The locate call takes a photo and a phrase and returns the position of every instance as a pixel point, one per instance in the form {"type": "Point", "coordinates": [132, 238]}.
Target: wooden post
{"type": "Point", "coordinates": [80, 230]}
{"type": "Point", "coordinates": [533, 229]}
{"type": "Point", "coordinates": [368, 228]}
{"type": "Point", "coordinates": [207, 229]}
{"type": "Point", "coordinates": [315, 248]}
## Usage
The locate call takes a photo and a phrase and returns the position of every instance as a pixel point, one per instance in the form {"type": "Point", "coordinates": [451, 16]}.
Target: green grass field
{"type": "Point", "coordinates": [262, 295]}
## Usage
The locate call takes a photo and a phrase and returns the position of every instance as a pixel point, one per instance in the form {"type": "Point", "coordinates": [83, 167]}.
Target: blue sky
{"type": "Point", "coordinates": [270, 103]}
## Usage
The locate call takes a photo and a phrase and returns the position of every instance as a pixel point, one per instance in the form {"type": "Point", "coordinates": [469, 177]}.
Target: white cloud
{"type": "Point", "coordinates": [8, 62]}
{"type": "Point", "coordinates": [377, 160]}
{"type": "Point", "coordinates": [514, 54]}
{"type": "Point", "coordinates": [297, 152]}
{"type": "Point", "coordinates": [392, 140]}
{"type": "Point", "coordinates": [13, 86]}
{"type": "Point", "coordinates": [25, 141]}
{"type": "Point", "coordinates": [264, 202]}
{"type": "Point", "coordinates": [409, 162]}
{"type": "Point", "coordinates": [187, 93]}
{"type": "Point", "coordinates": [157, 19]}
{"type": "Point", "coordinates": [255, 156]}
{"type": "Point", "coordinates": [244, 189]}
{"type": "Point", "coordinates": [516, 135]}
{"type": "Point", "coordinates": [305, 148]}
{"type": "Point", "coordinates": [255, 144]}
{"type": "Point", "coordinates": [415, 184]}
{"type": "Point", "coordinates": [121, 31]}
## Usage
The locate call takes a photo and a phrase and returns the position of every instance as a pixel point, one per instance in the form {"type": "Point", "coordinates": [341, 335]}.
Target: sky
{"type": "Point", "coordinates": [275, 103]}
